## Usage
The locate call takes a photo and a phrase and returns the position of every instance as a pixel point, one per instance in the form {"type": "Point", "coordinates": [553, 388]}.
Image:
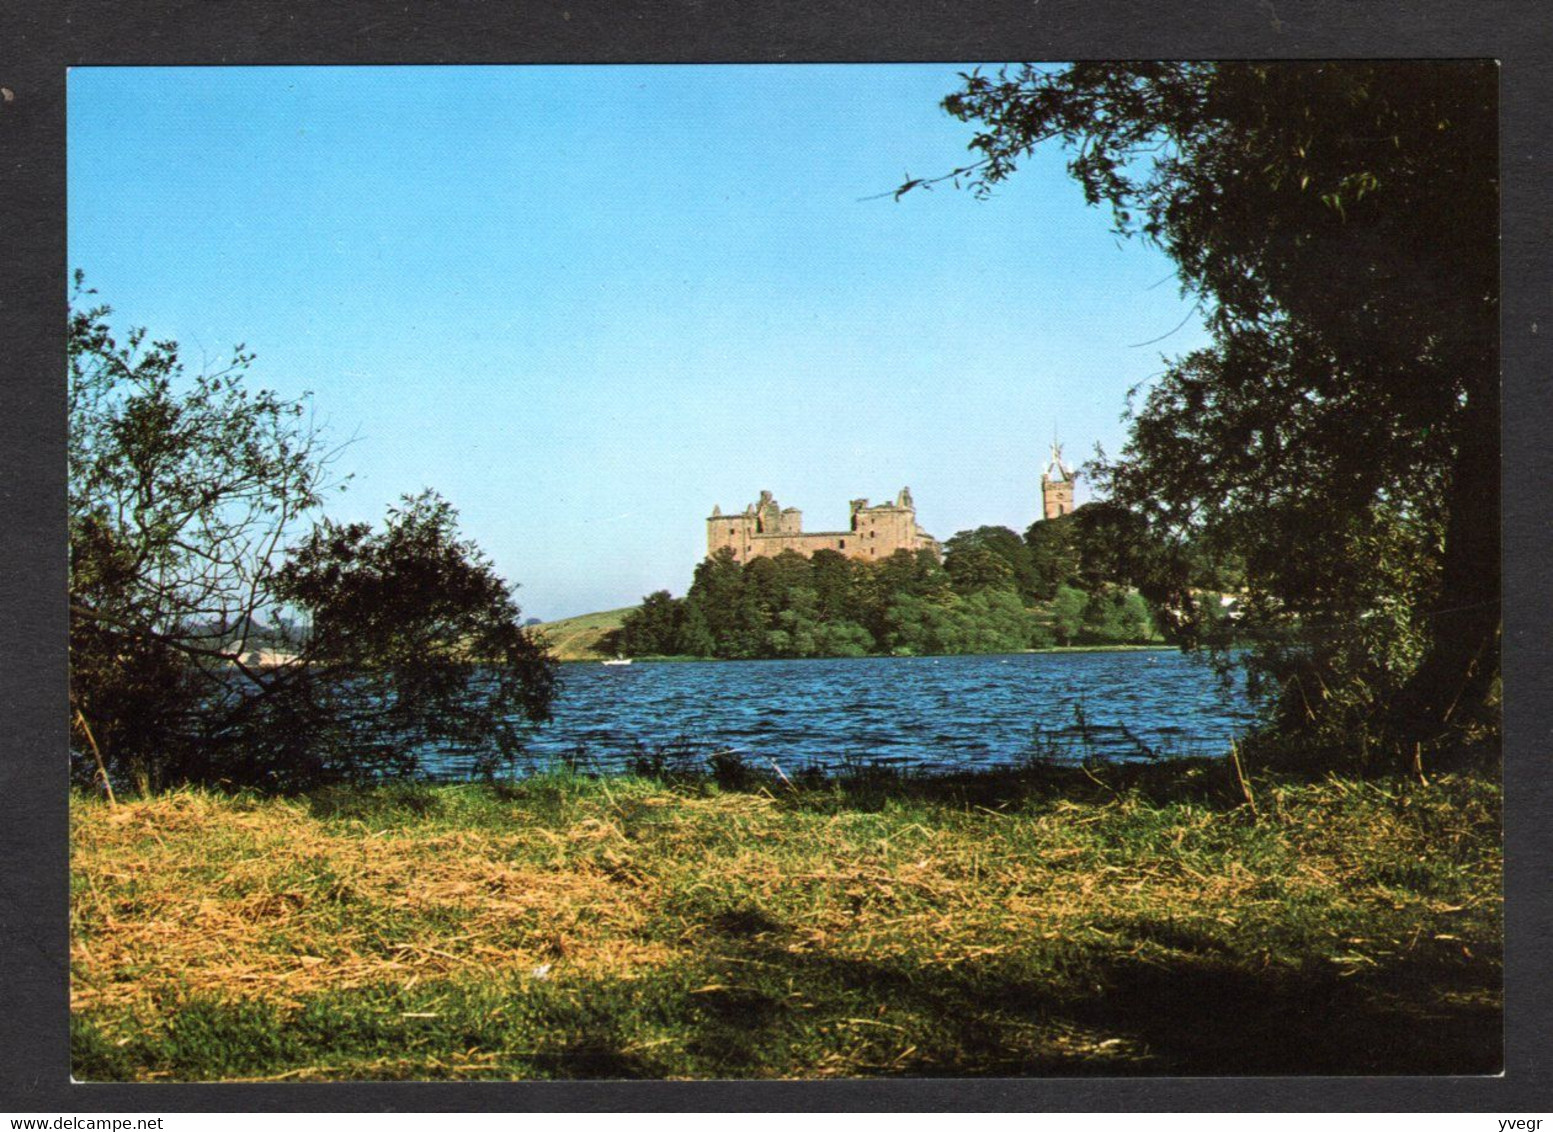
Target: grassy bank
{"type": "Point", "coordinates": [582, 638]}
{"type": "Point", "coordinates": [1039, 923]}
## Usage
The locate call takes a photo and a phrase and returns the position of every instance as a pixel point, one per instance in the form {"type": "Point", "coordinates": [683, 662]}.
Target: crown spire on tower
{"type": "Point", "coordinates": [1055, 462]}
{"type": "Point", "coordinates": [1056, 484]}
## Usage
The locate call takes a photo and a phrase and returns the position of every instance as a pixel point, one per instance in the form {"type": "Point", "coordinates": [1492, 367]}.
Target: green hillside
{"type": "Point", "coordinates": [579, 638]}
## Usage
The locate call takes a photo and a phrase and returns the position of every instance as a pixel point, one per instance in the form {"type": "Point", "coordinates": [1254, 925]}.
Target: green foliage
{"type": "Point", "coordinates": [194, 550]}
{"type": "Point", "coordinates": [964, 558]}
{"type": "Point", "coordinates": [1337, 447]}
{"type": "Point", "coordinates": [1109, 615]}
{"type": "Point", "coordinates": [986, 621]}
{"type": "Point", "coordinates": [975, 568]}
{"type": "Point", "coordinates": [841, 638]}
{"type": "Point", "coordinates": [414, 640]}
{"type": "Point", "coordinates": [830, 605]}
{"type": "Point", "coordinates": [1105, 545]}
{"type": "Point", "coordinates": [1113, 616]}
{"type": "Point", "coordinates": [837, 585]}
{"type": "Point", "coordinates": [652, 629]}
{"type": "Point", "coordinates": [1055, 557]}
{"type": "Point", "coordinates": [1068, 614]}
{"type": "Point", "coordinates": [992, 593]}
{"type": "Point", "coordinates": [727, 606]}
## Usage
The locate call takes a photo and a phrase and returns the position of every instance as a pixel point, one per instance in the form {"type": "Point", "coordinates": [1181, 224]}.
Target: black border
{"type": "Point", "coordinates": [39, 43]}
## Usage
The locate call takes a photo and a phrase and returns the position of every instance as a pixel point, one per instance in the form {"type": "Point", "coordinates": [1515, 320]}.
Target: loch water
{"type": "Point", "coordinates": [921, 713]}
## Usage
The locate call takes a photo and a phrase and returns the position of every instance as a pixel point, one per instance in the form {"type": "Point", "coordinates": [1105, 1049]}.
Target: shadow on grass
{"type": "Point", "coordinates": [1208, 782]}
{"type": "Point", "coordinates": [1190, 1016]}
{"type": "Point", "coordinates": [759, 1009]}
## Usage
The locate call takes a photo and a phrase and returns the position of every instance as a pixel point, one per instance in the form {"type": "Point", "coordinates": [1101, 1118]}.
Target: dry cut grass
{"type": "Point", "coordinates": [628, 927]}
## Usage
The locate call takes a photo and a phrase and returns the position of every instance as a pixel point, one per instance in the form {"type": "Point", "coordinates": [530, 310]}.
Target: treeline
{"type": "Point", "coordinates": [1066, 582]}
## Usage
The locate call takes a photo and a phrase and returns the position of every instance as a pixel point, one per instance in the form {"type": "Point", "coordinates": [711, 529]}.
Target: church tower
{"type": "Point", "coordinates": [1057, 485]}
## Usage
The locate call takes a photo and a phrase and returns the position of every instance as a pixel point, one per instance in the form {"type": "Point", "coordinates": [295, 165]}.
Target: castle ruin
{"type": "Point", "coordinates": [765, 529]}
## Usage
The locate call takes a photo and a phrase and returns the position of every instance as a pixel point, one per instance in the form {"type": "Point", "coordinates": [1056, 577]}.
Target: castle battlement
{"type": "Point", "coordinates": [765, 529]}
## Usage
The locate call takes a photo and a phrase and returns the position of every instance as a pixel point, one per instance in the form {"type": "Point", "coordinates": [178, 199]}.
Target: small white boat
{"type": "Point", "coordinates": [619, 660]}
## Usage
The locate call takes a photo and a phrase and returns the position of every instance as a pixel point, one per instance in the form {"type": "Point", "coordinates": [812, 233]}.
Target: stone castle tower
{"type": "Point", "coordinates": [1057, 489]}
{"type": "Point", "coordinates": [765, 529]}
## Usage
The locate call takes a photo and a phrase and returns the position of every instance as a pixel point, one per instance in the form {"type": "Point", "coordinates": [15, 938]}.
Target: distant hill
{"type": "Point", "coordinates": [579, 638]}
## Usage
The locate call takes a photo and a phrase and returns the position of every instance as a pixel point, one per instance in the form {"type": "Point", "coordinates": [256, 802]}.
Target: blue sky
{"type": "Point", "coordinates": [587, 303]}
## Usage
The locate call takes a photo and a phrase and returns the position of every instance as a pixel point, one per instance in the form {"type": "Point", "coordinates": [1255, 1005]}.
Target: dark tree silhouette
{"type": "Point", "coordinates": [1337, 223]}
{"type": "Point", "coordinates": [219, 634]}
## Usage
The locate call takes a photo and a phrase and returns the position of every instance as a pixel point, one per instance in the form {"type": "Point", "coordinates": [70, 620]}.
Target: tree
{"type": "Point", "coordinates": [414, 643]}
{"type": "Point", "coordinates": [695, 638]}
{"type": "Point", "coordinates": [1054, 555]}
{"type": "Point", "coordinates": [184, 496]}
{"type": "Point", "coordinates": [727, 606]}
{"type": "Point", "coordinates": [181, 492]}
{"type": "Point", "coordinates": [841, 638]}
{"type": "Point", "coordinates": [1067, 614]}
{"type": "Point", "coordinates": [997, 621]}
{"type": "Point", "coordinates": [918, 573]}
{"type": "Point", "coordinates": [1116, 616]}
{"type": "Point", "coordinates": [778, 584]}
{"type": "Point", "coordinates": [975, 568]}
{"type": "Point", "coordinates": [1337, 221]}
{"type": "Point", "coordinates": [651, 629]}
{"type": "Point", "coordinates": [1002, 542]}
{"type": "Point", "coordinates": [888, 582]}
{"type": "Point", "coordinates": [836, 582]}
{"type": "Point", "coordinates": [1180, 573]}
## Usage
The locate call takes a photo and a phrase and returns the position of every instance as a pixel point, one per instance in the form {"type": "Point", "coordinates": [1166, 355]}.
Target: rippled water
{"type": "Point", "coordinates": [934, 713]}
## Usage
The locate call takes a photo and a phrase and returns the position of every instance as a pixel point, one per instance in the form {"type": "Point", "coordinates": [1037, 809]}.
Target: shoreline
{"type": "Point", "coordinates": [1055, 649]}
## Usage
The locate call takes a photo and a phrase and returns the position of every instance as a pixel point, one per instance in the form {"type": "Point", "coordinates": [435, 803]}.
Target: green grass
{"type": "Point", "coordinates": [579, 638]}
{"type": "Point", "coordinates": [1040, 922]}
